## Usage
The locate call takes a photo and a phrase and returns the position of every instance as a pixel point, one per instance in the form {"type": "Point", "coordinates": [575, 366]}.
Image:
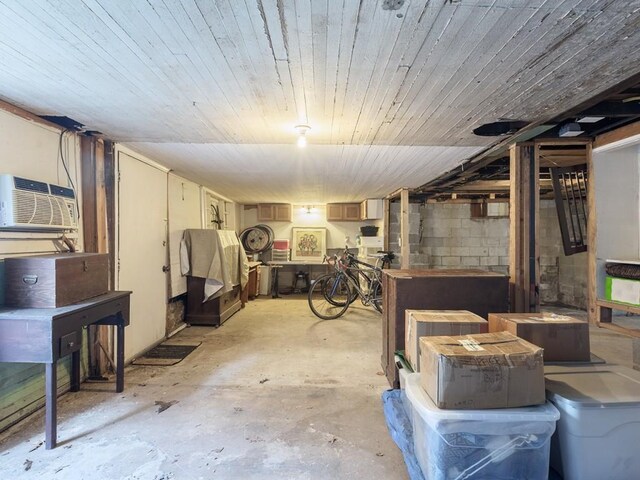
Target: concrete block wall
{"type": "Point", "coordinates": [443, 235]}
{"type": "Point", "coordinates": [418, 259]}
{"type": "Point", "coordinates": [564, 278]}
{"type": "Point", "coordinates": [452, 239]}
{"type": "Point", "coordinates": [550, 243]}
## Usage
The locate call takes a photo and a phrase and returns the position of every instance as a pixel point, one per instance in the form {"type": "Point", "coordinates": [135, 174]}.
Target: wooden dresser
{"type": "Point", "coordinates": [212, 312]}
{"type": "Point", "coordinates": [478, 291]}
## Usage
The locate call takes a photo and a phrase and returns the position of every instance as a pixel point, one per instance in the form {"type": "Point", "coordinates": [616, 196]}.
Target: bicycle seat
{"type": "Point", "coordinates": [389, 254]}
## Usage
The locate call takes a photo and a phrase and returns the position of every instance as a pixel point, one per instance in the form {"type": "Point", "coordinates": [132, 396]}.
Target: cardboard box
{"type": "Point", "coordinates": [487, 370]}
{"type": "Point", "coordinates": [563, 338]}
{"type": "Point", "coordinates": [428, 323]}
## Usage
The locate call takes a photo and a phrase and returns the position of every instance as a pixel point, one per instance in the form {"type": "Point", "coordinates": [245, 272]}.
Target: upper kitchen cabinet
{"type": "Point", "coordinates": [343, 212]}
{"type": "Point", "coordinates": [274, 212]}
{"type": "Point", "coordinates": [371, 209]}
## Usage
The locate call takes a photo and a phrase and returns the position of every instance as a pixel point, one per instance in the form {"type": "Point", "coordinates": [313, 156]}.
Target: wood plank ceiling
{"type": "Point", "coordinates": [213, 88]}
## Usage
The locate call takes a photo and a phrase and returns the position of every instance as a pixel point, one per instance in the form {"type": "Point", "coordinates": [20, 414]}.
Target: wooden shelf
{"type": "Point", "coordinates": [618, 306]}
{"type": "Point", "coordinates": [605, 316]}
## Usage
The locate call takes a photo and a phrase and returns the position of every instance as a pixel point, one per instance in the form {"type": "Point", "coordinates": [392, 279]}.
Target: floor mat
{"type": "Point", "coordinates": [166, 355]}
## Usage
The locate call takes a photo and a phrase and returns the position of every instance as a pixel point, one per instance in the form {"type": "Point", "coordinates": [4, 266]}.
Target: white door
{"type": "Point", "coordinates": [142, 237]}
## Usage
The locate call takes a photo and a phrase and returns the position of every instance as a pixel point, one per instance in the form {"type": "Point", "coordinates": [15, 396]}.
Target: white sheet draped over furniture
{"type": "Point", "coordinates": [215, 255]}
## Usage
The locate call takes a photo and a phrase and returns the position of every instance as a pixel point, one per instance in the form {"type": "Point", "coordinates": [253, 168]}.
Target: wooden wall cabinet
{"type": "Point", "coordinates": [343, 212]}
{"type": "Point", "coordinates": [372, 209]}
{"type": "Point", "coordinates": [274, 212]}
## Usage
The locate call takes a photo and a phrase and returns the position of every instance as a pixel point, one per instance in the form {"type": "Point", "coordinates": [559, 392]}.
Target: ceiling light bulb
{"type": "Point", "coordinates": [302, 131]}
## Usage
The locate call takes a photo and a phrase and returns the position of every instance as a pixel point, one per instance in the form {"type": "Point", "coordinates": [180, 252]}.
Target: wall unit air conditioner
{"type": "Point", "coordinates": [32, 205]}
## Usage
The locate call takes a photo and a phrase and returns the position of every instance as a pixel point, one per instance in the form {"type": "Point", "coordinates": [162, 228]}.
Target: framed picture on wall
{"type": "Point", "coordinates": [309, 244]}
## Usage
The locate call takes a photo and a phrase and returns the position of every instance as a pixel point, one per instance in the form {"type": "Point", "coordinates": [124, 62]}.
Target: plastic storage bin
{"type": "Point", "coordinates": [404, 373]}
{"type": "Point", "coordinates": [598, 434]}
{"type": "Point", "coordinates": [510, 443]}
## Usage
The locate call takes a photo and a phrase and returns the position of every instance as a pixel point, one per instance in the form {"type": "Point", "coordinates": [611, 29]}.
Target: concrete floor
{"type": "Point", "coordinates": [273, 393]}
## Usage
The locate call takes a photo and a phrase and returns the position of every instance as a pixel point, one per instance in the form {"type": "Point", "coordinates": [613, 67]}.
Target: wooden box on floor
{"type": "Point", "coordinates": [563, 338]}
{"type": "Point", "coordinates": [55, 280]}
{"type": "Point", "coordinates": [478, 291]}
{"type": "Point", "coordinates": [212, 312]}
{"type": "Point", "coordinates": [431, 323]}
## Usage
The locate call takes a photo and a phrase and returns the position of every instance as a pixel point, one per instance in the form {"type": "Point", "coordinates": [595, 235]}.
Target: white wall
{"type": "Point", "coordinates": [617, 192]}
{"type": "Point", "coordinates": [30, 150]}
{"type": "Point", "coordinates": [185, 211]}
{"type": "Point", "coordinates": [339, 234]}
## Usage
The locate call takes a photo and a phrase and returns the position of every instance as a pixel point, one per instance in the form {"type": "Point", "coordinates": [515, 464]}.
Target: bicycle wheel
{"type": "Point", "coordinates": [376, 298]}
{"type": "Point", "coordinates": [337, 294]}
{"type": "Point", "coordinates": [353, 293]}
{"type": "Point", "coordinates": [328, 297]}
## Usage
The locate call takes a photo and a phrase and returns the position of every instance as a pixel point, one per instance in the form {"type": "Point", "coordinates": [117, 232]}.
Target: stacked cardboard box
{"type": "Point", "coordinates": [490, 370]}
{"type": "Point", "coordinates": [563, 338]}
{"type": "Point", "coordinates": [427, 323]}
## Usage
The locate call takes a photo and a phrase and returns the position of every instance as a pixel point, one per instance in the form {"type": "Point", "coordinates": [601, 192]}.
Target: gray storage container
{"type": "Point", "coordinates": [598, 435]}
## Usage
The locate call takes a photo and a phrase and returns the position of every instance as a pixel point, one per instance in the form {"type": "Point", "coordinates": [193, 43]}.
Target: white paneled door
{"type": "Point", "coordinates": [142, 237]}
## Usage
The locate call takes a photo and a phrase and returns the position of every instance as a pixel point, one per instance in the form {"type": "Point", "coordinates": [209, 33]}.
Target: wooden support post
{"type": "Point", "coordinates": [592, 294]}
{"type": "Point", "coordinates": [405, 251]}
{"type": "Point", "coordinates": [534, 253]}
{"type": "Point", "coordinates": [96, 238]}
{"type": "Point", "coordinates": [524, 259]}
{"type": "Point", "coordinates": [386, 223]}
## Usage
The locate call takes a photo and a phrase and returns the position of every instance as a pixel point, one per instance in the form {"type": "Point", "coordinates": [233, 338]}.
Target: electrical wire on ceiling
{"type": "Point", "coordinates": [66, 169]}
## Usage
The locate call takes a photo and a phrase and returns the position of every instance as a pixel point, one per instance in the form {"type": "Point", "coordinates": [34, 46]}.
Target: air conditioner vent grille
{"type": "Point", "coordinates": [62, 191]}
{"type": "Point", "coordinates": [43, 213]}
{"type": "Point", "coordinates": [24, 206]}
{"type": "Point", "coordinates": [31, 185]}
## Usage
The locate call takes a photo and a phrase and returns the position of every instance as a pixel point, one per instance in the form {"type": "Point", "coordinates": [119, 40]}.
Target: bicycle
{"type": "Point", "coordinates": [331, 294]}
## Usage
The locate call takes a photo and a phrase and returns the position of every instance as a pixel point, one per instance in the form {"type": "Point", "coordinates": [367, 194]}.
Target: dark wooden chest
{"type": "Point", "coordinates": [212, 312]}
{"type": "Point", "coordinates": [481, 292]}
{"type": "Point", "coordinates": [55, 280]}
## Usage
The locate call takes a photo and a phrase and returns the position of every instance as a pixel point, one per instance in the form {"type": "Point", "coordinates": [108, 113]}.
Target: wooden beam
{"type": "Point", "coordinates": [492, 186]}
{"type": "Point", "coordinates": [524, 268]}
{"type": "Point", "coordinates": [385, 223]}
{"type": "Point", "coordinates": [592, 229]}
{"type": "Point", "coordinates": [467, 200]}
{"type": "Point", "coordinates": [94, 223]}
{"type": "Point", "coordinates": [616, 135]}
{"type": "Point", "coordinates": [516, 299]}
{"type": "Point", "coordinates": [21, 112]}
{"type": "Point", "coordinates": [395, 194]}
{"type": "Point", "coordinates": [631, 332]}
{"type": "Point", "coordinates": [577, 150]}
{"type": "Point", "coordinates": [562, 142]}
{"type": "Point", "coordinates": [88, 188]}
{"type": "Point", "coordinates": [405, 251]}
{"type": "Point", "coordinates": [102, 234]}
{"type": "Point", "coordinates": [534, 284]}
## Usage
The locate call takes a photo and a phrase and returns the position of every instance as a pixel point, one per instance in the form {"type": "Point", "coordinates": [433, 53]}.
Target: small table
{"type": "Point", "coordinates": [275, 268]}
{"type": "Point", "coordinates": [44, 335]}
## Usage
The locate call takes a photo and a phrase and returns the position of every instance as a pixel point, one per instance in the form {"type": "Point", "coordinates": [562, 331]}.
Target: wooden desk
{"type": "Point", "coordinates": [44, 335]}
